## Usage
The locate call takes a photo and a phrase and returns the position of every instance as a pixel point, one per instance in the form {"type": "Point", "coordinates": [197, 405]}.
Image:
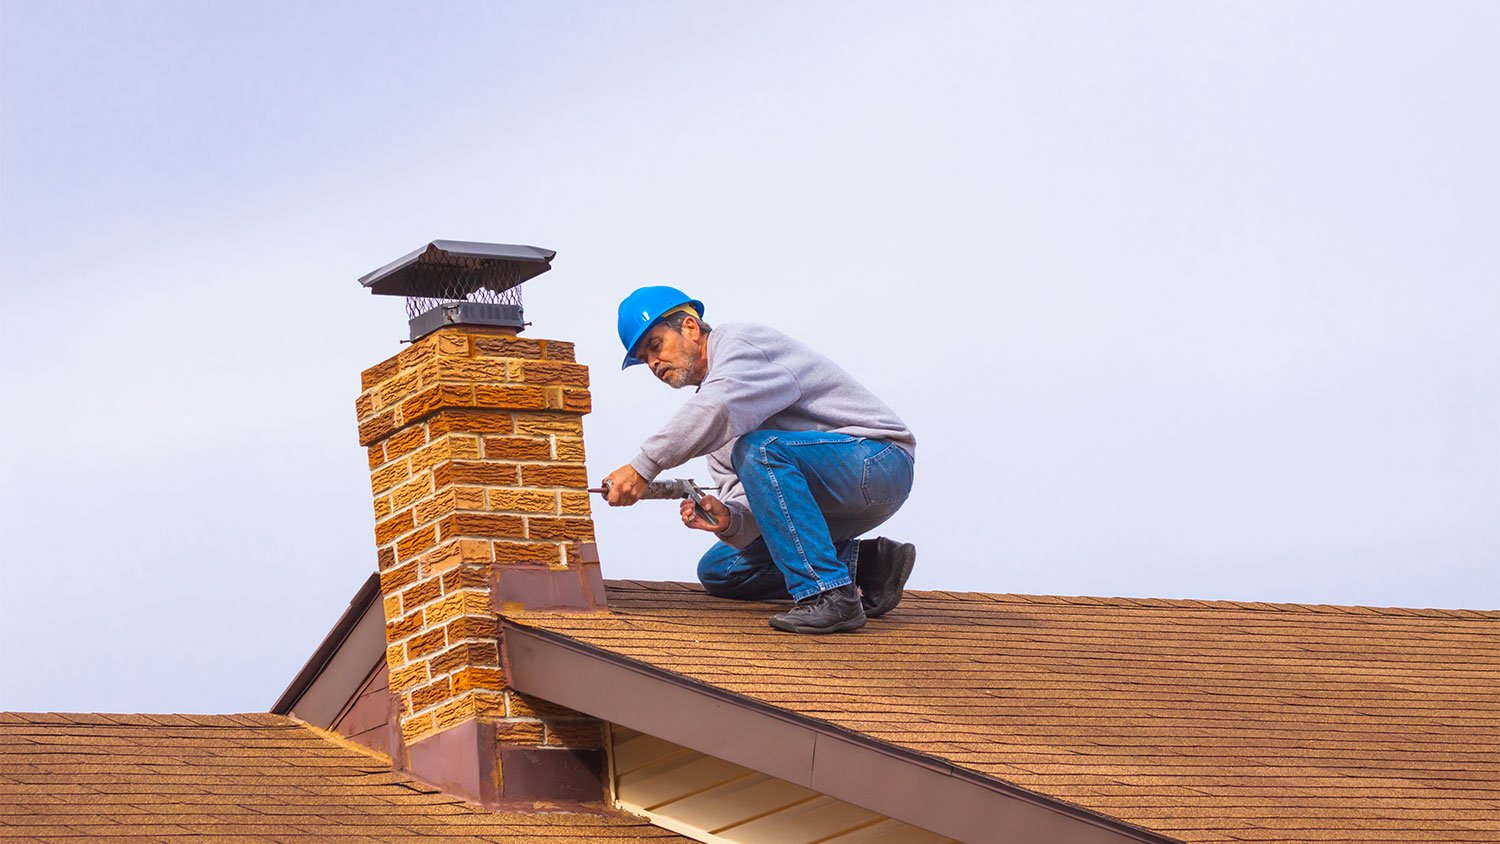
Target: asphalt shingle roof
{"type": "Point", "coordinates": [1206, 721]}
{"type": "Point", "coordinates": [238, 779]}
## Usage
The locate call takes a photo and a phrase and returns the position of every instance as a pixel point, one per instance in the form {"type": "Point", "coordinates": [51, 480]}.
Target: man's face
{"type": "Point", "coordinates": [678, 358]}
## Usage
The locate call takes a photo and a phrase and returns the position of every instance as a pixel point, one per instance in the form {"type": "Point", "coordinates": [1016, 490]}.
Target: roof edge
{"type": "Point", "coordinates": [329, 646]}
{"type": "Point", "coordinates": [842, 763]}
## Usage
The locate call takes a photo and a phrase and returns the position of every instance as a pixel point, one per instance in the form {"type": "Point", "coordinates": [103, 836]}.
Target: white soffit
{"type": "Point", "coordinates": [718, 802]}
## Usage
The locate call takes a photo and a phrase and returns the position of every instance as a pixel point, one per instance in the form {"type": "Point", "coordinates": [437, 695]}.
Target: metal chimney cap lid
{"type": "Point", "coordinates": [427, 271]}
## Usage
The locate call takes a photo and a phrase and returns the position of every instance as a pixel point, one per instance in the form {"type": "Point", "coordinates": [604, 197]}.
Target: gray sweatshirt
{"type": "Point", "coordinates": [761, 379]}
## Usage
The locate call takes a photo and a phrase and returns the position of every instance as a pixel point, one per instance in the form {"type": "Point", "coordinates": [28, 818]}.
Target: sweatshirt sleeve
{"type": "Point", "coordinates": [743, 389]}
{"type": "Point", "coordinates": [742, 528]}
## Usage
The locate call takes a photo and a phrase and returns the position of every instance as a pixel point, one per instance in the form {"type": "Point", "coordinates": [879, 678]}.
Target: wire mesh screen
{"type": "Point", "coordinates": [462, 279]}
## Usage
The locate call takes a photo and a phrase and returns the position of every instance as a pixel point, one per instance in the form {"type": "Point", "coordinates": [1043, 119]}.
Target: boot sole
{"type": "Point", "coordinates": [845, 626]}
{"type": "Point", "coordinates": [904, 564]}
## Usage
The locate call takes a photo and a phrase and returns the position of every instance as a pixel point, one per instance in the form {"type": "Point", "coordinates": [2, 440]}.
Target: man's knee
{"type": "Point", "coordinates": [743, 573]}
{"type": "Point", "coordinates": [714, 570]}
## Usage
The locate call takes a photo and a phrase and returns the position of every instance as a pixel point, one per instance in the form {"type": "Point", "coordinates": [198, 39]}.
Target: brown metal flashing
{"type": "Point", "coordinates": [368, 718]}
{"type": "Point", "coordinates": [469, 761]}
{"type": "Point", "coordinates": [327, 650]}
{"type": "Point", "coordinates": [532, 775]}
{"type": "Point", "coordinates": [576, 588]}
{"type": "Point", "coordinates": [374, 674]}
{"type": "Point", "coordinates": [920, 790]}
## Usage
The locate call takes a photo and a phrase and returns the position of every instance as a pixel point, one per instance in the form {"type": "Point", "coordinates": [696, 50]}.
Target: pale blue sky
{"type": "Point", "coordinates": [1181, 299]}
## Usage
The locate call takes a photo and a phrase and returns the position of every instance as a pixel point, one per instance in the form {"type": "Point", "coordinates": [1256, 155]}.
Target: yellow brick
{"type": "Point", "coordinates": [435, 507]}
{"type": "Point", "coordinates": [417, 727]}
{"type": "Point", "coordinates": [546, 527]}
{"type": "Point", "coordinates": [471, 422]}
{"type": "Point", "coordinates": [379, 372]}
{"type": "Point", "coordinates": [376, 427]}
{"type": "Point", "coordinates": [455, 553]}
{"type": "Point", "coordinates": [425, 644]}
{"type": "Point", "coordinates": [396, 389]}
{"type": "Point", "coordinates": [454, 712]}
{"type": "Point", "coordinates": [540, 424]}
{"type": "Point", "coordinates": [579, 735]}
{"type": "Point", "coordinates": [568, 448]}
{"type": "Point", "coordinates": [523, 706]}
{"type": "Point", "coordinates": [452, 342]}
{"type": "Point", "coordinates": [392, 606]}
{"type": "Point", "coordinates": [471, 678]}
{"type": "Point", "coordinates": [489, 704]}
{"type": "Point", "coordinates": [417, 594]}
{"type": "Point", "coordinates": [383, 479]}
{"type": "Point", "coordinates": [475, 550]}
{"type": "Point", "coordinates": [468, 706]}
{"type": "Point", "coordinates": [382, 507]}
{"type": "Point", "coordinates": [550, 553]}
{"type": "Point", "coordinates": [408, 677]}
{"type": "Point", "coordinates": [418, 487]}
{"type": "Point", "coordinates": [454, 605]}
{"type": "Point", "coordinates": [432, 694]}
{"type": "Point", "coordinates": [509, 347]}
{"type": "Point", "coordinates": [558, 350]}
{"type": "Point", "coordinates": [432, 454]}
{"type": "Point", "coordinates": [518, 732]}
{"type": "Point", "coordinates": [469, 370]}
{"type": "Point", "coordinates": [468, 497]}
{"type": "Point", "coordinates": [449, 447]}
{"type": "Point", "coordinates": [554, 372]}
{"type": "Point", "coordinates": [387, 530]}
{"type": "Point", "coordinates": [405, 442]}
{"type": "Point", "coordinates": [417, 353]}
{"type": "Point", "coordinates": [576, 503]}
{"type": "Point", "coordinates": [403, 627]}
{"type": "Point", "coordinates": [529, 500]}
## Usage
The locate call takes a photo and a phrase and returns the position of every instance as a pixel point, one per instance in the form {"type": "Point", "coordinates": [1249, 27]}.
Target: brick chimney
{"type": "Point", "coordinates": [475, 440]}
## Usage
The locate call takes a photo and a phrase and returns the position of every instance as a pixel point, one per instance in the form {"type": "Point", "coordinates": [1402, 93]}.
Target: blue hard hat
{"type": "Point", "coordinates": [641, 309]}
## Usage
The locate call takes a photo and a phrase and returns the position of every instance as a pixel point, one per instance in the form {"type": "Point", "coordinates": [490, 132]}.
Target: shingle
{"type": "Point", "coordinates": [117, 778]}
{"type": "Point", "coordinates": [1201, 720]}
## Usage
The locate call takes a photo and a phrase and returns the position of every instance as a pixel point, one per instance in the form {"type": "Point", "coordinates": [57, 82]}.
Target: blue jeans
{"type": "Point", "coordinates": [812, 493]}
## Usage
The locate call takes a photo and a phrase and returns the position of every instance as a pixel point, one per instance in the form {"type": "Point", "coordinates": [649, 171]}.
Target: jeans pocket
{"type": "Point", "coordinates": [887, 476]}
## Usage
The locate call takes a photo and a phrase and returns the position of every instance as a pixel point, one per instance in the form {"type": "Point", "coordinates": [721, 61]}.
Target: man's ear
{"type": "Point", "coordinates": [693, 321]}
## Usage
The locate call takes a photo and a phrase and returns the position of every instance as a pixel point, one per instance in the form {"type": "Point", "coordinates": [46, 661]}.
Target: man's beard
{"type": "Point", "coordinates": [679, 377]}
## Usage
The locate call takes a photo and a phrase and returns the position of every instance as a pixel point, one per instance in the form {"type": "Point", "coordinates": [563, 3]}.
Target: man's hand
{"type": "Point", "coordinates": [625, 486]}
{"type": "Point", "coordinates": [715, 508]}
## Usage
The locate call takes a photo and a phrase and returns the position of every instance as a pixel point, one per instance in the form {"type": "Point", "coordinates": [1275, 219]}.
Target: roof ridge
{"type": "Point", "coordinates": [1118, 601]}
{"type": "Point", "coordinates": [1212, 603]}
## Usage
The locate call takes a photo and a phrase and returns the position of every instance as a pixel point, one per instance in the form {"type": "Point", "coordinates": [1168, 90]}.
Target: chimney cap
{"type": "Point", "coordinates": [432, 271]}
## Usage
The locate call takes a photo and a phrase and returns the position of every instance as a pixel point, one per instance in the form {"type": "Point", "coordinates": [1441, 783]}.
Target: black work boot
{"type": "Point", "coordinates": [884, 566]}
{"type": "Point", "coordinates": [836, 611]}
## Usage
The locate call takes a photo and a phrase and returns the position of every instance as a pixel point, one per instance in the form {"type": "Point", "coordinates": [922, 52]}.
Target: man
{"type": "Point", "coordinates": [806, 460]}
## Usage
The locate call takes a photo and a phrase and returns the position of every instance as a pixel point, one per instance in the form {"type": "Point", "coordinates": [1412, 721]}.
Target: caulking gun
{"type": "Point", "coordinates": [674, 488]}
